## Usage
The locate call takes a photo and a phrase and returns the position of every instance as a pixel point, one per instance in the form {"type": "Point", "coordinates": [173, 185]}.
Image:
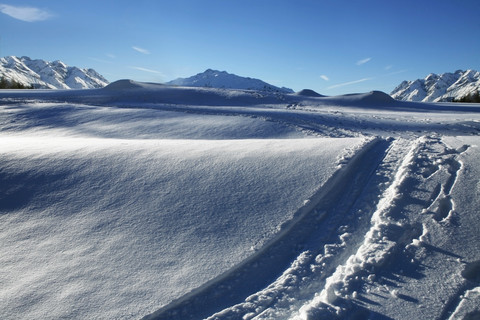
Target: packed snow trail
{"type": "Point", "coordinates": [371, 253]}
{"type": "Point", "coordinates": [404, 235]}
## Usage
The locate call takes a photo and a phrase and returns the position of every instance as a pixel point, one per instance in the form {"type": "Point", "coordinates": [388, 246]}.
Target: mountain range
{"type": "Point", "coordinates": [43, 74]}
{"type": "Point", "coordinates": [438, 88]}
{"type": "Point", "coordinates": [223, 79]}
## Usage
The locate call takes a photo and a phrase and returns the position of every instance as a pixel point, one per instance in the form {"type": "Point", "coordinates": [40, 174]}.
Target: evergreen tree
{"type": "Point", "coordinates": [471, 97]}
{"type": "Point", "coordinates": [5, 84]}
{"type": "Point", "coordinates": [476, 97]}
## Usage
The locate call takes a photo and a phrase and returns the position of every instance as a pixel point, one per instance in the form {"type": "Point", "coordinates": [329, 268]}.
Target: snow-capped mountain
{"type": "Point", "coordinates": [435, 88]}
{"type": "Point", "coordinates": [222, 79]}
{"type": "Point", "coordinates": [49, 75]}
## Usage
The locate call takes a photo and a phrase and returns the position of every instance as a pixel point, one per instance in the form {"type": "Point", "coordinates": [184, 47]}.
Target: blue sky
{"type": "Point", "coordinates": [330, 46]}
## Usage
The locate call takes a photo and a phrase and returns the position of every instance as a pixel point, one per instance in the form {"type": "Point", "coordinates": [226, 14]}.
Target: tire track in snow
{"type": "Point", "coordinates": [337, 195]}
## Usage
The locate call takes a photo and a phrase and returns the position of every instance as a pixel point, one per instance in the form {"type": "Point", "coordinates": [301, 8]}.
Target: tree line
{"type": "Point", "coordinates": [471, 97]}
{"type": "Point", "coordinates": [12, 84]}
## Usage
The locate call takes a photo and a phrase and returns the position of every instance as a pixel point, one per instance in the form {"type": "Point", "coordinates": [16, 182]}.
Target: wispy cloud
{"type": "Point", "coordinates": [141, 50]}
{"type": "Point", "coordinates": [28, 14]}
{"type": "Point", "coordinates": [108, 55]}
{"type": "Point", "coordinates": [349, 83]}
{"type": "Point", "coordinates": [100, 60]}
{"type": "Point", "coordinates": [388, 67]}
{"type": "Point", "coordinates": [396, 72]}
{"type": "Point", "coordinates": [363, 61]}
{"type": "Point", "coordinates": [324, 77]}
{"type": "Point", "coordinates": [146, 70]}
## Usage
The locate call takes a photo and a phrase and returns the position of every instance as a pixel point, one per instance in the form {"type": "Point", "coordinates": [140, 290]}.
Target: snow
{"type": "Point", "coordinates": [436, 88]}
{"type": "Point", "coordinates": [308, 93]}
{"type": "Point", "coordinates": [49, 75]}
{"type": "Point", "coordinates": [147, 200]}
{"type": "Point", "coordinates": [222, 79]}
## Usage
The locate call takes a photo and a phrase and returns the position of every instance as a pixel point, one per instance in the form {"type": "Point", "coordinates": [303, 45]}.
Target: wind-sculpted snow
{"type": "Point", "coordinates": [148, 201]}
{"type": "Point", "coordinates": [276, 255]}
{"type": "Point", "coordinates": [147, 218]}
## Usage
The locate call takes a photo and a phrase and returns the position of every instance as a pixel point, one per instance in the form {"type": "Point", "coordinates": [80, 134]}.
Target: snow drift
{"type": "Point", "coordinates": [308, 93]}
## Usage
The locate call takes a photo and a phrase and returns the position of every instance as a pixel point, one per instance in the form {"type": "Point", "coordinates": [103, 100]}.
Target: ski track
{"type": "Point", "coordinates": [371, 254]}
{"type": "Point", "coordinates": [392, 238]}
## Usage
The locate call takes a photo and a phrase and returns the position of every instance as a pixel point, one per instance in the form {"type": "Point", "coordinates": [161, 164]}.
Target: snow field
{"type": "Point", "coordinates": [80, 120]}
{"type": "Point", "coordinates": [142, 200]}
{"type": "Point", "coordinates": [88, 224]}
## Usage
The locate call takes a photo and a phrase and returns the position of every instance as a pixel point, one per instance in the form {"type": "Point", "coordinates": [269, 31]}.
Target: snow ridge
{"type": "Point", "coordinates": [43, 74]}
{"type": "Point", "coordinates": [436, 88]}
{"type": "Point", "coordinates": [222, 79]}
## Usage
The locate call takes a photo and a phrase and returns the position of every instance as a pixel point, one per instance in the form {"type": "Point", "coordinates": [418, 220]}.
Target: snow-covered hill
{"type": "Point", "coordinates": [49, 75]}
{"type": "Point", "coordinates": [222, 79]}
{"type": "Point", "coordinates": [164, 202]}
{"type": "Point", "coordinates": [436, 88]}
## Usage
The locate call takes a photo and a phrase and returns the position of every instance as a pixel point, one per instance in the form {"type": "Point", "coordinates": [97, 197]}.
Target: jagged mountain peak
{"type": "Point", "coordinates": [44, 74]}
{"type": "Point", "coordinates": [439, 87]}
{"type": "Point", "coordinates": [222, 79]}
{"type": "Point", "coordinates": [211, 71]}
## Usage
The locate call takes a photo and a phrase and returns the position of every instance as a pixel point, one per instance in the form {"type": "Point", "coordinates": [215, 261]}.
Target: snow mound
{"type": "Point", "coordinates": [375, 97]}
{"type": "Point", "coordinates": [124, 84]}
{"type": "Point", "coordinates": [308, 93]}
{"type": "Point", "coordinates": [128, 90]}
{"type": "Point", "coordinates": [368, 99]}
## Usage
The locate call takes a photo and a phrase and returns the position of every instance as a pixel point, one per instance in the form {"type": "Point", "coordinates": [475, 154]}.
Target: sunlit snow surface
{"type": "Point", "coordinates": [143, 200]}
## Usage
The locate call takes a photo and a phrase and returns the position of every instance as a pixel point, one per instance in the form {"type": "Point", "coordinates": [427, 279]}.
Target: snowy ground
{"type": "Point", "coordinates": [156, 202]}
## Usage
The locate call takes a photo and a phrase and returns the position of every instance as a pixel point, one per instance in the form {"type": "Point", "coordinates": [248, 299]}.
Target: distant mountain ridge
{"type": "Point", "coordinates": [437, 88]}
{"type": "Point", "coordinates": [43, 74]}
{"type": "Point", "coordinates": [222, 79]}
